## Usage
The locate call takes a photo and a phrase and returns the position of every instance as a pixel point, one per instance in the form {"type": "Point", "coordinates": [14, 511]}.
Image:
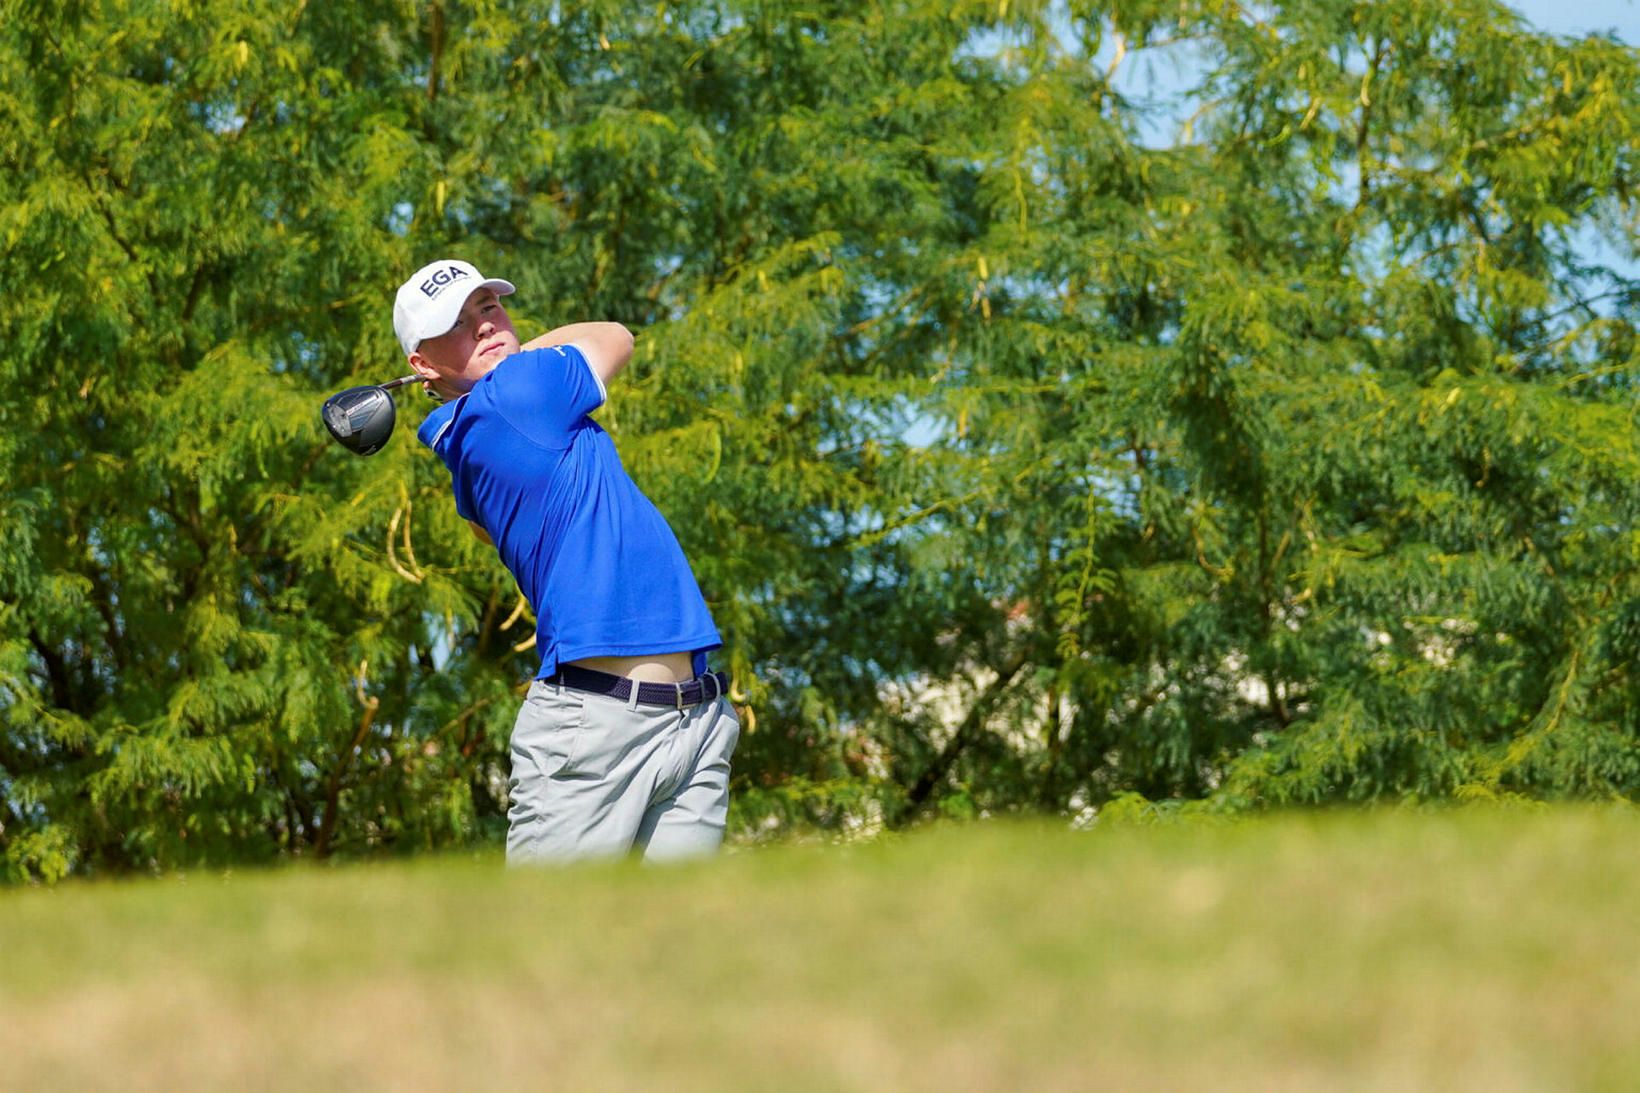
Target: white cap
{"type": "Point", "coordinates": [430, 301]}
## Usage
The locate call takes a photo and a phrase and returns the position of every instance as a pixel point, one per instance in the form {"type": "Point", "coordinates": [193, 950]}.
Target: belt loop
{"type": "Point", "coordinates": [678, 687]}
{"type": "Point", "coordinates": [632, 696]}
{"type": "Point", "coordinates": [715, 691]}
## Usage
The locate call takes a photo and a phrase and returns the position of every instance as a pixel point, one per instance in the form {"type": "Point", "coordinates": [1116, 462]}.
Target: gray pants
{"type": "Point", "coordinates": [594, 776]}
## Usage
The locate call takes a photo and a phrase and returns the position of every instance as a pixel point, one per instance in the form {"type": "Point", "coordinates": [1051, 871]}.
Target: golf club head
{"type": "Point", "coordinates": [360, 418]}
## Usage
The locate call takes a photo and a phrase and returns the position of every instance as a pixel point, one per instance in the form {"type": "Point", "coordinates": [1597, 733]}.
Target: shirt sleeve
{"type": "Point", "coordinates": [546, 393]}
{"type": "Point", "coordinates": [432, 433]}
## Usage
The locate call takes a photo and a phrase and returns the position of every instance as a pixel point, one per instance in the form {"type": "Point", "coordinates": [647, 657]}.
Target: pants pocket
{"type": "Point", "coordinates": [547, 738]}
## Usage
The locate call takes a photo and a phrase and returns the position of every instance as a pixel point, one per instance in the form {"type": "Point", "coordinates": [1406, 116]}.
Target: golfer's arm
{"type": "Point", "coordinates": [482, 535]}
{"type": "Point", "coordinates": [606, 346]}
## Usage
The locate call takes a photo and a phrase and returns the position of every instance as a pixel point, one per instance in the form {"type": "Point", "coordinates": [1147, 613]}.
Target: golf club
{"type": "Point", "coordinates": [361, 418]}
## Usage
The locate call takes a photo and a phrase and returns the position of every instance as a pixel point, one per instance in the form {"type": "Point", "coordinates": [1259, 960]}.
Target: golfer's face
{"type": "Point", "coordinates": [482, 338]}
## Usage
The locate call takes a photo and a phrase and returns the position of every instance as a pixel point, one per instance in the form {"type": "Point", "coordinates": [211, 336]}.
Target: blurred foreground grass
{"type": "Point", "coordinates": [1469, 949]}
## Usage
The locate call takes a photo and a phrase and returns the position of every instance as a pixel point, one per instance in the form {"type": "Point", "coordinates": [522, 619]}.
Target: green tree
{"type": "Point", "coordinates": [1336, 501]}
{"type": "Point", "coordinates": [1025, 462]}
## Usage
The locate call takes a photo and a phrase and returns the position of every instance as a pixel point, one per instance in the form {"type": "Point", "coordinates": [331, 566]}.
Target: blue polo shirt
{"type": "Point", "coordinates": [594, 557]}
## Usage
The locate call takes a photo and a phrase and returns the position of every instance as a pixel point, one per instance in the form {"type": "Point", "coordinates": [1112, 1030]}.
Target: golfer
{"type": "Point", "coordinates": [624, 740]}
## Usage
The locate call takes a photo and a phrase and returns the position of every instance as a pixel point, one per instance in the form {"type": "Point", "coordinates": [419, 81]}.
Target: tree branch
{"type": "Point", "coordinates": [436, 48]}
{"type": "Point", "coordinates": [967, 733]}
{"type": "Point", "coordinates": [333, 788]}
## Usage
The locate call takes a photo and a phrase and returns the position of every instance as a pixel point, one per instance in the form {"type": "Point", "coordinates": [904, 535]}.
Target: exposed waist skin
{"type": "Point", "coordinates": [648, 668]}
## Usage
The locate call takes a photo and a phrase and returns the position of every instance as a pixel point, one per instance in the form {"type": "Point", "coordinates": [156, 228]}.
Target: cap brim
{"type": "Point", "coordinates": [444, 313]}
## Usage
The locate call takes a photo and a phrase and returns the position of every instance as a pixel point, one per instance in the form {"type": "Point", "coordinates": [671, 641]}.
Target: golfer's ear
{"type": "Point", "coordinates": [421, 366]}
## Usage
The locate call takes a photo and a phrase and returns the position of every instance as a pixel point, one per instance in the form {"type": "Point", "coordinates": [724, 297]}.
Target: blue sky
{"type": "Point", "coordinates": [1584, 16]}
{"type": "Point", "coordinates": [1156, 75]}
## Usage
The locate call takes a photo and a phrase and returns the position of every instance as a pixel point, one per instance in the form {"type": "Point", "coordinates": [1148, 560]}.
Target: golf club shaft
{"type": "Point", "coordinates": [400, 382]}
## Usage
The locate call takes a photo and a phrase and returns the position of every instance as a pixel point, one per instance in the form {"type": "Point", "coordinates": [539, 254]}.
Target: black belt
{"type": "Point", "coordinates": [680, 695]}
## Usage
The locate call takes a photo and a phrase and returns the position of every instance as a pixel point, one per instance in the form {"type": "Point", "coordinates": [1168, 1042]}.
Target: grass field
{"type": "Point", "coordinates": [1472, 949]}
